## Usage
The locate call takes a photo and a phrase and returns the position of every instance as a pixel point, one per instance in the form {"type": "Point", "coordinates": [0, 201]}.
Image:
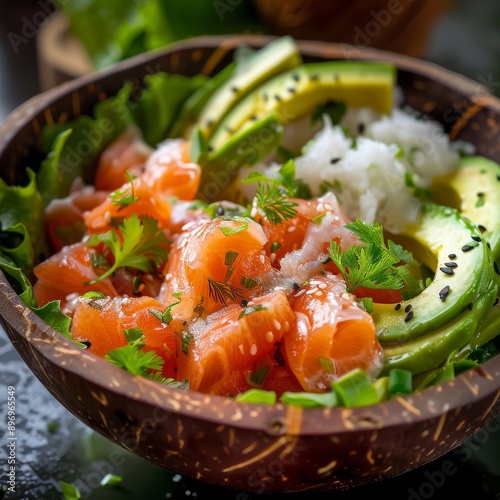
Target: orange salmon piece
{"type": "Point", "coordinates": [63, 276]}
{"type": "Point", "coordinates": [63, 217]}
{"type": "Point", "coordinates": [170, 173]}
{"type": "Point", "coordinates": [128, 152]}
{"type": "Point", "coordinates": [146, 203]}
{"type": "Point", "coordinates": [101, 322]}
{"type": "Point", "coordinates": [331, 336]}
{"type": "Point", "coordinates": [233, 340]}
{"type": "Point", "coordinates": [213, 264]}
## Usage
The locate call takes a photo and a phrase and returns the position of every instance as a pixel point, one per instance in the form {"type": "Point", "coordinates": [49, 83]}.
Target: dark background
{"type": "Point", "coordinates": [52, 445]}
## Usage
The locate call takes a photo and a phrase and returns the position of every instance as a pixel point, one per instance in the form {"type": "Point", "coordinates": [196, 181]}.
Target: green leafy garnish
{"type": "Point", "coordinates": [69, 491]}
{"type": "Point", "coordinates": [124, 198]}
{"type": "Point", "coordinates": [111, 480]}
{"type": "Point", "coordinates": [257, 396]}
{"type": "Point", "coordinates": [371, 265]}
{"type": "Point", "coordinates": [222, 292]}
{"type": "Point", "coordinates": [229, 231]}
{"type": "Point", "coordinates": [186, 341]}
{"type": "Point", "coordinates": [139, 246]}
{"type": "Point", "coordinates": [132, 358]}
{"type": "Point", "coordinates": [166, 315]}
{"type": "Point", "coordinates": [251, 309]}
{"type": "Point", "coordinates": [273, 204]}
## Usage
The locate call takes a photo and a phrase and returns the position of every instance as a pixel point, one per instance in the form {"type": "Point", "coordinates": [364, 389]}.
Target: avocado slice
{"type": "Point", "coordinates": [452, 245]}
{"type": "Point", "coordinates": [274, 58]}
{"type": "Point", "coordinates": [220, 168]}
{"type": "Point", "coordinates": [299, 91]}
{"type": "Point", "coordinates": [474, 190]}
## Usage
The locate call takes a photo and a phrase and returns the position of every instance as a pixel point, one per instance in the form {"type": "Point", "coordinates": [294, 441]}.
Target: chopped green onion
{"type": "Point", "coordinates": [355, 389]}
{"type": "Point", "coordinates": [257, 396]}
{"type": "Point", "coordinates": [310, 399]}
{"type": "Point", "coordinates": [400, 381]}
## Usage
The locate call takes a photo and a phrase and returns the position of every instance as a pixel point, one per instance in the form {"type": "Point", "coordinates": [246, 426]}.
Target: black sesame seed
{"type": "Point", "coordinates": [467, 248]}
{"type": "Point", "coordinates": [496, 301]}
{"type": "Point", "coordinates": [481, 228]}
{"type": "Point", "coordinates": [86, 343]}
{"type": "Point", "coordinates": [409, 316]}
{"type": "Point", "coordinates": [480, 194]}
{"type": "Point", "coordinates": [452, 256]}
{"type": "Point", "coordinates": [296, 286]}
{"type": "Point", "coordinates": [296, 77]}
{"type": "Point", "coordinates": [488, 245]}
{"type": "Point", "coordinates": [220, 210]}
{"type": "Point", "coordinates": [314, 77]}
{"type": "Point", "coordinates": [184, 323]}
{"type": "Point", "coordinates": [444, 293]}
{"type": "Point", "coordinates": [253, 118]}
{"type": "Point", "coordinates": [334, 160]}
{"type": "Point", "coordinates": [451, 264]}
{"type": "Point", "coordinates": [408, 308]}
{"type": "Point", "coordinates": [210, 149]}
{"type": "Point", "coordinates": [397, 307]}
{"type": "Point", "coordinates": [244, 303]}
{"type": "Point", "coordinates": [234, 89]}
{"type": "Point", "coordinates": [277, 97]}
{"type": "Point", "coordinates": [291, 90]}
{"type": "Point", "coordinates": [496, 267]}
{"type": "Point", "coordinates": [498, 177]}
{"type": "Point", "coordinates": [361, 128]}
{"type": "Point", "coordinates": [476, 238]}
{"type": "Point", "coordinates": [470, 305]}
{"type": "Point", "coordinates": [447, 270]}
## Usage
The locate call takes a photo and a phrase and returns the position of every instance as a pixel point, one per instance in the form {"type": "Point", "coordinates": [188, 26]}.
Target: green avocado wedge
{"type": "Point", "coordinates": [273, 59]}
{"type": "Point", "coordinates": [454, 248]}
{"type": "Point", "coordinates": [301, 90]}
{"type": "Point", "coordinates": [474, 190]}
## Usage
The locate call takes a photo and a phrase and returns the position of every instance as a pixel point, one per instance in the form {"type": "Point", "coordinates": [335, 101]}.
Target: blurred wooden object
{"type": "Point", "coordinates": [61, 56]}
{"type": "Point", "coordinates": [401, 26]}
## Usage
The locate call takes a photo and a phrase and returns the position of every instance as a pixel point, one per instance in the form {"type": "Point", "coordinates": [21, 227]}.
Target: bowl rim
{"type": "Point", "coordinates": [402, 410]}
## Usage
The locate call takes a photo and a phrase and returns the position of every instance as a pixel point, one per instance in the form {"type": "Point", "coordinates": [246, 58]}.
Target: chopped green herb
{"type": "Point", "coordinates": [222, 292]}
{"type": "Point", "coordinates": [166, 315]}
{"type": "Point", "coordinates": [111, 480]}
{"type": "Point", "coordinates": [53, 426]}
{"type": "Point", "coordinates": [125, 197]}
{"type": "Point", "coordinates": [273, 204]}
{"type": "Point", "coordinates": [257, 377]}
{"type": "Point", "coordinates": [257, 396]}
{"type": "Point", "coordinates": [275, 246]}
{"type": "Point", "coordinates": [370, 265]}
{"type": "Point", "coordinates": [248, 283]}
{"type": "Point", "coordinates": [69, 491]}
{"type": "Point", "coordinates": [355, 389]}
{"type": "Point", "coordinates": [251, 309]}
{"type": "Point", "coordinates": [186, 341]}
{"type": "Point", "coordinates": [141, 247]}
{"type": "Point", "coordinates": [229, 231]}
{"type": "Point", "coordinates": [318, 219]}
{"type": "Point", "coordinates": [327, 364]}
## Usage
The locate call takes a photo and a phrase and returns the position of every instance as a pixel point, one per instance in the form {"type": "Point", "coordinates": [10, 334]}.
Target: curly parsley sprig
{"type": "Point", "coordinates": [137, 243]}
{"type": "Point", "coordinates": [371, 265]}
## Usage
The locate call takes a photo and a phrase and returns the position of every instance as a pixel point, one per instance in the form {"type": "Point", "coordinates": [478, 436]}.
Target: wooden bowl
{"type": "Point", "coordinates": [217, 440]}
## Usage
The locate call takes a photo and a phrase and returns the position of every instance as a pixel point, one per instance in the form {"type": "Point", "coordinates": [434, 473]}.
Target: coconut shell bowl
{"type": "Point", "coordinates": [219, 440]}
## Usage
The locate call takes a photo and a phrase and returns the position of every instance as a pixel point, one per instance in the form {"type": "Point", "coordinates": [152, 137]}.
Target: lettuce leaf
{"type": "Point", "coordinates": [117, 29]}
{"type": "Point", "coordinates": [50, 313]}
{"type": "Point", "coordinates": [22, 237]}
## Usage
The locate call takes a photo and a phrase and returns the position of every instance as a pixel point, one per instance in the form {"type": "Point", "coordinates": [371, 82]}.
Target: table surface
{"type": "Point", "coordinates": [53, 445]}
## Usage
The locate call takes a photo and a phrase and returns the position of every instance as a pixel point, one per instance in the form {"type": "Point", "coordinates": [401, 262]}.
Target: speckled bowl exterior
{"type": "Point", "coordinates": [216, 440]}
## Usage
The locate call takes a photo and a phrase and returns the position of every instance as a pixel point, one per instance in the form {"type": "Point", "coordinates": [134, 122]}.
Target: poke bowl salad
{"type": "Point", "coordinates": [280, 232]}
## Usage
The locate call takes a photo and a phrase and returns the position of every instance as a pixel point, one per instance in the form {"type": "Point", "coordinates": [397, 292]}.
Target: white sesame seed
{"type": "Point", "coordinates": [320, 207]}
{"type": "Point", "coordinates": [253, 350]}
{"type": "Point", "coordinates": [262, 259]}
{"type": "Point", "coordinates": [291, 229]}
{"type": "Point", "coordinates": [312, 290]}
{"type": "Point", "coordinates": [322, 286]}
{"type": "Point", "coordinates": [345, 296]}
{"type": "Point", "coordinates": [277, 324]}
{"type": "Point", "coordinates": [300, 292]}
{"type": "Point", "coordinates": [272, 257]}
{"type": "Point", "coordinates": [286, 326]}
{"type": "Point", "coordinates": [269, 336]}
{"type": "Point", "coordinates": [319, 293]}
{"type": "Point", "coordinates": [242, 349]}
